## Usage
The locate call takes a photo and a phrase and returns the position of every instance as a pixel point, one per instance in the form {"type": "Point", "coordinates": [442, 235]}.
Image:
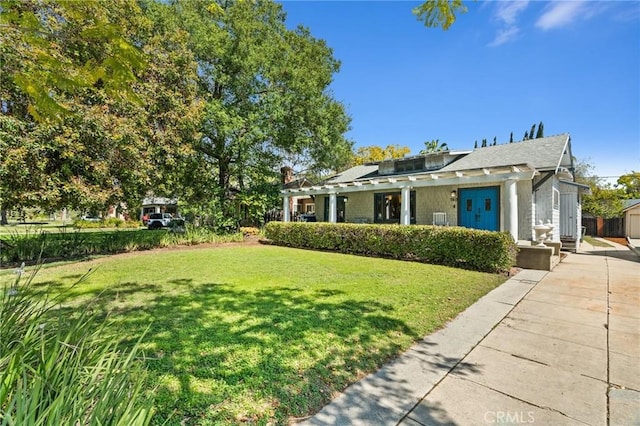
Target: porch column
{"type": "Point", "coordinates": [405, 206]}
{"type": "Point", "coordinates": [333, 208]}
{"type": "Point", "coordinates": [286, 213]}
{"type": "Point", "coordinates": [511, 208]}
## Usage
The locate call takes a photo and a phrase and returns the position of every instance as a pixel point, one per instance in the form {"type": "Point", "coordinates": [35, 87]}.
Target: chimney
{"type": "Point", "coordinates": [286, 175]}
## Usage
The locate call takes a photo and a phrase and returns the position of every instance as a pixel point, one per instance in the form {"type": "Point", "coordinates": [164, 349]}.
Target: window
{"type": "Point", "coordinates": [409, 165]}
{"type": "Point", "coordinates": [310, 208]}
{"type": "Point", "coordinates": [487, 204]}
{"type": "Point", "coordinates": [469, 204]}
{"type": "Point", "coordinates": [556, 199]}
{"type": "Point", "coordinates": [387, 207]}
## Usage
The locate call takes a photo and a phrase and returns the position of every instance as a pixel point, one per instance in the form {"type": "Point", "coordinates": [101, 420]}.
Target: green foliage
{"type": "Point", "coordinates": [374, 153]}
{"type": "Point", "coordinates": [60, 368]}
{"type": "Point", "coordinates": [604, 201]}
{"type": "Point", "coordinates": [266, 97]}
{"type": "Point", "coordinates": [112, 222]}
{"type": "Point", "coordinates": [630, 185]}
{"type": "Point", "coordinates": [63, 48]}
{"type": "Point", "coordinates": [89, 120]}
{"type": "Point", "coordinates": [451, 246]}
{"type": "Point", "coordinates": [439, 13]}
{"type": "Point", "coordinates": [434, 146]}
{"type": "Point", "coordinates": [39, 244]}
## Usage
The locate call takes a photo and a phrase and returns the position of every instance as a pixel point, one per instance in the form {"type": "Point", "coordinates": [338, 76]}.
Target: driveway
{"type": "Point", "coordinates": [560, 347]}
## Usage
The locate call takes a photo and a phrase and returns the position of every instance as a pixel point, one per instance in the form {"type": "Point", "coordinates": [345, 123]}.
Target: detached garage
{"type": "Point", "coordinates": [632, 218]}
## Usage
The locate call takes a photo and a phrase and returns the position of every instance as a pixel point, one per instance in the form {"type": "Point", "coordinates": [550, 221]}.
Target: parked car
{"type": "Point", "coordinates": [308, 217]}
{"type": "Point", "coordinates": [91, 218]}
{"type": "Point", "coordinates": [159, 220]}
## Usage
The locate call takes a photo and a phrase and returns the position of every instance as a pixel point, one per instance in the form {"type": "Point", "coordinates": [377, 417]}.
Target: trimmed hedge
{"type": "Point", "coordinates": [451, 246]}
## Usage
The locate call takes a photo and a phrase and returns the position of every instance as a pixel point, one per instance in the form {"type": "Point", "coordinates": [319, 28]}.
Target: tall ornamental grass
{"type": "Point", "coordinates": [64, 368]}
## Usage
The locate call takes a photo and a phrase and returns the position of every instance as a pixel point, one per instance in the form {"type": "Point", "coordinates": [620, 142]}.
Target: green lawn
{"type": "Point", "coordinates": [595, 242]}
{"type": "Point", "coordinates": [264, 333]}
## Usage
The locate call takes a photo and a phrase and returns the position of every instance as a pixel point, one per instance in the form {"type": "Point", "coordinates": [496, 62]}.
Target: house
{"type": "Point", "coordinates": [298, 204]}
{"type": "Point", "coordinates": [151, 204]}
{"type": "Point", "coordinates": [631, 211]}
{"type": "Point", "coordinates": [509, 187]}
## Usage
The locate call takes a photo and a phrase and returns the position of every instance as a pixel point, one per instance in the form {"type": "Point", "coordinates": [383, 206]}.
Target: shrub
{"type": "Point", "coordinates": [64, 369]}
{"type": "Point", "coordinates": [452, 246]}
{"type": "Point", "coordinates": [249, 231]}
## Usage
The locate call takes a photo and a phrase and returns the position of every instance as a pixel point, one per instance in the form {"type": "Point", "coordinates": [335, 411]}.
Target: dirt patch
{"type": "Point", "coordinates": [622, 241]}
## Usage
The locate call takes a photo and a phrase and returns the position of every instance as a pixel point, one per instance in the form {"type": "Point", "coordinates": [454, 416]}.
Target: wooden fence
{"type": "Point", "coordinates": [600, 227]}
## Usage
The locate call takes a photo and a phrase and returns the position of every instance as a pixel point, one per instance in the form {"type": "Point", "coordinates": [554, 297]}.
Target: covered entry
{"type": "Point", "coordinates": [479, 208]}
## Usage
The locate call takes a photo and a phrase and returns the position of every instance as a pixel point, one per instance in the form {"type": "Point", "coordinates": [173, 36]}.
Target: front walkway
{"type": "Point", "coordinates": [560, 347]}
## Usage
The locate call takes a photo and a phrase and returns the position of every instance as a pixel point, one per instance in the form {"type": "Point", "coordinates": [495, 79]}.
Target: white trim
{"type": "Point", "coordinates": [479, 176]}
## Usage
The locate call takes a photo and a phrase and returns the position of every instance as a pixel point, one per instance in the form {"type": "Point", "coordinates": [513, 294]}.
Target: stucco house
{"type": "Point", "coordinates": [509, 187]}
{"type": "Point", "coordinates": [631, 213]}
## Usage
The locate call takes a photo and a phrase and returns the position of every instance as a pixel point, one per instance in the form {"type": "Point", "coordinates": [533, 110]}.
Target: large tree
{"type": "Point", "coordinates": [88, 120]}
{"type": "Point", "coordinates": [266, 96]}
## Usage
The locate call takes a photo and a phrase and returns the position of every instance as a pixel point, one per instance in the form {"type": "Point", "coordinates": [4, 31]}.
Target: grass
{"type": "Point", "coordinates": [261, 333]}
{"type": "Point", "coordinates": [596, 242]}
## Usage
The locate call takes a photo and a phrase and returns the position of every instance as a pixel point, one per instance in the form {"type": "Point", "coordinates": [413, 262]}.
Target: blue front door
{"type": "Point", "coordinates": [478, 208]}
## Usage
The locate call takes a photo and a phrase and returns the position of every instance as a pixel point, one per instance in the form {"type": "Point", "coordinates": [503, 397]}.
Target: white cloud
{"type": "Point", "coordinates": [561, 13]}
{"type": "Point", "coordinates": [507, 12]}
{"type": "Point", "coordinates": [504, 35]}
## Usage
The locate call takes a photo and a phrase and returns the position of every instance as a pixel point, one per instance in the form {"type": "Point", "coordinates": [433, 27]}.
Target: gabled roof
{"type": "Point", "coordinates": [543, 154]}
{"type": "Point", "coordinates": [298, 183]}
{"type": "Point", "coordinates": [354, 173]}
{"type": "Point", "coordinates": [629, 204]}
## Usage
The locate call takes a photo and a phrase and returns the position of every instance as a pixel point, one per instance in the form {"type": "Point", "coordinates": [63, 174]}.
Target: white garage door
{"type": "Point", "coordinates": [634, 225]}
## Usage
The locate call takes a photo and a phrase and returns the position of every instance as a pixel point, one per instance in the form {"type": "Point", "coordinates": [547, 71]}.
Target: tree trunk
{"type": "Point", "coordinates": [3, 217]}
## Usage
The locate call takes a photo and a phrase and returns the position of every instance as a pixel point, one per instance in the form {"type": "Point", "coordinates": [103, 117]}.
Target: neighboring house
{"type": "Point", "coordinates": [509, 187]}
{"type": "Point", "coordinates": [301, 204]}
{"type": "Point", "coordinates": [159, 205]}
{"type": "Point", "coordinates": [631, 213]}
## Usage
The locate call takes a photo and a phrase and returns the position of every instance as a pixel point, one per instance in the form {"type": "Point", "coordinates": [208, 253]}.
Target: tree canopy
{"type": "Point", "coordinates": [439, 13]}
{"type": "Point", "coordinates": [630, 185]}
{"type": "Point", "coordinates": [105, 101]}
{"type": "Point", "coordinates": [434, 146]}
{"type": "Point", "coordinates": [375, 153]}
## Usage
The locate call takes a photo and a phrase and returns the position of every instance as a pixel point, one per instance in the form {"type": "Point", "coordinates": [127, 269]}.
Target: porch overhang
{"type": "Point", "coordinates": [582, 188]}
{"type": "Point", "coordinates": [420, 180]}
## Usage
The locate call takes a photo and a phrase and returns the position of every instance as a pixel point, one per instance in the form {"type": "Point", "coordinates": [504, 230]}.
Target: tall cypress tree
{"type": "Point", "coordinates": [540, 133]}
{"type": "Point", "coordinates": [495, 140]}
{"type": "Point", "coordinates": [484, 143]}
{"type": "Point", "coordinates": [533, 131]}
{"type": "Point", "coordinates": [475, 146]}
{"type": "Point", "coordinates": [526, 135]}
{"type": "Point", "coordinates": [511, 138]}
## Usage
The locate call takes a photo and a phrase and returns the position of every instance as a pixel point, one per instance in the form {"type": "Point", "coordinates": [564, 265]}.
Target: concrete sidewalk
{"type": "Point", "coordinates": [560, 347]}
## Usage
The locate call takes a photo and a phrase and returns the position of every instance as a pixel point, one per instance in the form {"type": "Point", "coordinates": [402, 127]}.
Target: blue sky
{"type": "Point", "coordinates": [501, 67]}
